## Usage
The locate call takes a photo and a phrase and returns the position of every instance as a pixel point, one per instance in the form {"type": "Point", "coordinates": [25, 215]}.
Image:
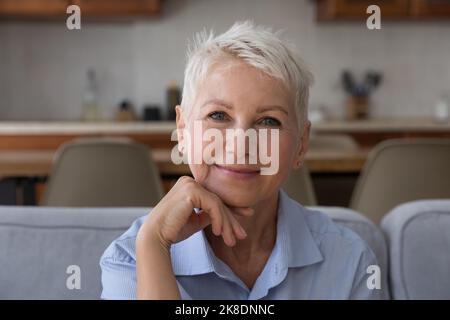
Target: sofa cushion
{"type": "Point", "coordinates": [37, 245]}
{"type": "Point", "coordinates": [419, 240]}
{"type": "Point", "coordinates": [369, 232]}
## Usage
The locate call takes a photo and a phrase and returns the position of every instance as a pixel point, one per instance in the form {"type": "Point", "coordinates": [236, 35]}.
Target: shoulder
{"type": "Point", "coordinates": [118, 265]}
{"type": "Point", "coordinates": [324, 231]}
{"type": "Point", "coordinates": [122, 249]}
{"type": "Point", "coordinates": [336, 243]}
{"type": "Point", "coordinates": [347, 260]}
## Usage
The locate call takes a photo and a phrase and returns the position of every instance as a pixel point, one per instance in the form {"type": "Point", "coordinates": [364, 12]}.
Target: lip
{"type": "Point", "coordinates": [241, 172]}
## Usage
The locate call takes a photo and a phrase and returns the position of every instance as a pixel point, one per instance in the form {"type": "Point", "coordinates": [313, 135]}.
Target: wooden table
{"type": "Point", "coordinates": [27, 148]}
{"type": "Point", "coordinates": [36, 163]}
{"type": "Point", "coordinates": [370, 132]}
{"type": "Point", "coordinates": [33, 166]}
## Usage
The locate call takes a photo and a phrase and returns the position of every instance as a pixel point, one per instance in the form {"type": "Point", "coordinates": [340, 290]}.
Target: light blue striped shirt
{"type": "Point", "coordinates": [313, 258]}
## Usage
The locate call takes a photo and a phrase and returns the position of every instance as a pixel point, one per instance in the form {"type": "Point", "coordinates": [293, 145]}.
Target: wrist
{"type": "Point", "coordinates": [149, 235]}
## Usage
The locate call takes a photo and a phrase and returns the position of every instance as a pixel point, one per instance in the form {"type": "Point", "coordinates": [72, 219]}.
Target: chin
{"type": "Point", "coordinates": [235, 197]}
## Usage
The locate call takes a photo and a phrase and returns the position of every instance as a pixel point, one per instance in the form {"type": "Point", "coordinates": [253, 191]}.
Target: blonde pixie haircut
{"type": "Point", "coordinates": [257, 46]}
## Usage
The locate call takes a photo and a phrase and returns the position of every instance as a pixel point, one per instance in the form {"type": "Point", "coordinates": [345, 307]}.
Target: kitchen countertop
{"type": "Point", "coordinates": [166, 127]}
{"type": "Point", "coordinates": [382, 124]}
{"type": "Point", "coordinates": [32, 163]}
{"type": "Point", "coordinates": [80, 128]}
{"type": "Point", "coordinates": [27, 148]}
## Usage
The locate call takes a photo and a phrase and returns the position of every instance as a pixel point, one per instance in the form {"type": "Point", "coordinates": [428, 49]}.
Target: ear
{"type": "Point", "coordinates": [304, 144]}
{"type": "Point", "coordinates": [180, 128]}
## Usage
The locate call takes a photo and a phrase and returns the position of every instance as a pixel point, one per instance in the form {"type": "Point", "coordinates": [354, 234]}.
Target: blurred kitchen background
{"type": "Point", "coordinates": [43, 64]}
{"type": "Point", "coordinates": [122, 73]}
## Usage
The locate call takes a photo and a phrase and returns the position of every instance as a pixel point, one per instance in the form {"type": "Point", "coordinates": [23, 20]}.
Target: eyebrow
{"type": "Point", "coordinates": [276, 107]}
{"type": "Point", "coordinates": [218, 102]}
{"type": "Point", "coordinates": [228, 105]}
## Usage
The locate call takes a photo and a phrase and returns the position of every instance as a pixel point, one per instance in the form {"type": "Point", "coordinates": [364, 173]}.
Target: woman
{"type": "Point", "coordinates": [230, 232]}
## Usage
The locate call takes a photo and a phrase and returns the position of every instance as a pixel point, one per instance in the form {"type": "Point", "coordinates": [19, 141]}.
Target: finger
{"type": "Point", "coordinates": [208, 203]}
{"type": "Point", "coordinates": [181, 183]}
{"type": "Point", "coordinates": [218, 212]}
{"type": "Point", "coordinates": [216, 217]}
{"type": "Point", "coordinates": [200, 220]}
{"type": "Point", "coordinates": [227, 232]}
{"type": "Point", "coordinates": [239, 231]}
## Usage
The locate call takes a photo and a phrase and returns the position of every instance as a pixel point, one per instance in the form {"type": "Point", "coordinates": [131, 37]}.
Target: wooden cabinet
{"type": "Point", "coordinates": [356, 9]}
{"type": "Point", "coordinates": [90, 9]}
{"type": "Point", "coordinates": [430, 9]}
{"type": "Point", "coordinates": [118, 8]}
{"type": "Point", "coordinates": [347, 10]}
{"type": "Point", "coordinates": [33, 8]}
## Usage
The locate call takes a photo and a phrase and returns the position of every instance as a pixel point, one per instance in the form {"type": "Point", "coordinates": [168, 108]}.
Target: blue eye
{"type": "Point", "coordinates": [271, 122]}
{"type": "Point", "coordinates": [217, 116]}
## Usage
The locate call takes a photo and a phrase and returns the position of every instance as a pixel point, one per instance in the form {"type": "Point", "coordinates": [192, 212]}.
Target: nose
{"type": "Point", "coordinates": [241, 143]}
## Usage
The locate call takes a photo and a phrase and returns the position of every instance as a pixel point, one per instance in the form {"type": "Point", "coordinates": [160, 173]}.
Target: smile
{"type": "Point", "coordinates": [242, 172]}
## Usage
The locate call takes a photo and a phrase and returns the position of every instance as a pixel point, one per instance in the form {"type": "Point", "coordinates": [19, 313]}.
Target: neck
{"type": "Point", "coordinates": [261, 230]}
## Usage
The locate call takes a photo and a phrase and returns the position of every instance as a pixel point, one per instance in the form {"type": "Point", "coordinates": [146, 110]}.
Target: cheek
{"type": "Point", "coordinates": [200, 172]}
{"type": "Point", "coordinates": [287, 151]}
{"type": "Point", "coordinates": [284, 154]}
{"type": "Point", "coordinates": [199, 169]}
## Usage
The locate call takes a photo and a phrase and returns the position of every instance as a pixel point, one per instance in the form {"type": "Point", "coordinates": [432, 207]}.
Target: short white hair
{"type": "Point", "coordinates": [257, 46]}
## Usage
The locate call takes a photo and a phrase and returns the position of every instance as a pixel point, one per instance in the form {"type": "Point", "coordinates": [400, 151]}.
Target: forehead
{"type": "Point", "coordinates": [241, 84]}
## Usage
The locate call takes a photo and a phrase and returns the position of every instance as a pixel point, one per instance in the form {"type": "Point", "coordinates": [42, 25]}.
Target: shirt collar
{"type": "Point", "coordinates": [294, 246]}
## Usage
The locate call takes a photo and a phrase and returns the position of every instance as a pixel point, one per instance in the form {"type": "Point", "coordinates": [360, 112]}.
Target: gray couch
{"type": "Point", "coordinates": [367, 230]}
{"type": "Point", "coordinates": [418, 235]}
{"type": "Point", "coordinates": [38, 244]}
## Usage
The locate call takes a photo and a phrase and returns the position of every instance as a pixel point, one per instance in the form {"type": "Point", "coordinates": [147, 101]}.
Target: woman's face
{"type": "Point", "coordinates": [235, 95]}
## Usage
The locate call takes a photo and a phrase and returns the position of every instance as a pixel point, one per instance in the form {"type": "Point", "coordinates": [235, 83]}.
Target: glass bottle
{"type": "Point", "coordinates": [91, 109]}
